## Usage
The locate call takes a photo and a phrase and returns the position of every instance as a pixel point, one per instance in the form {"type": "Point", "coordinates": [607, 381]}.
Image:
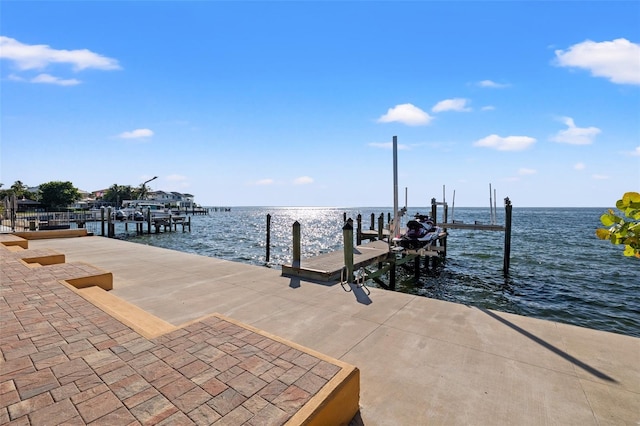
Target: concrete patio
{"type": "Point", "coordinates": [421, 361]}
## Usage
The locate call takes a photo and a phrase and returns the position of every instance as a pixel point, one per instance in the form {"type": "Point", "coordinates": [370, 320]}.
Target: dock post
{"type": "Point", "coordinates": [507, 235]}
{"type": "Point", "coordinates": [373, 222]}
{"type": "Point", "coordinates": [347, 234]}
{"type": "Point", "coordinates": [148, 221]}
{"type": "Point", "coordinates": [392, 274]}
{"type": "Point", "coordinates": [416, 267]}
{"type": "Point", "coordinates": [102, 221]}
{"type": "Point", "coordinates": [380, 226]}
{"type": "Point", "coordinates": [110, 229]}
{"type": "Point", "coordinates": [434, 210]}
{"type": "Point", "coordinates": [344, 217]}
{"type": "Point", "coordinates": [359, 229]}
{"type": "Point", "coordinates": [268, 237]}
{"type": "Point", "coordinates": [296, 244]}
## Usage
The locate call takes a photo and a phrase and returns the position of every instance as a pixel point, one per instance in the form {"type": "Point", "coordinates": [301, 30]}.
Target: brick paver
{"type": "Point", "coordinates": [65, 361]}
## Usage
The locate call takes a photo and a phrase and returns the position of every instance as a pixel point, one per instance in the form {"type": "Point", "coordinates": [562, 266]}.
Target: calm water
{"type": "Point", "coordinates": [559, 270]}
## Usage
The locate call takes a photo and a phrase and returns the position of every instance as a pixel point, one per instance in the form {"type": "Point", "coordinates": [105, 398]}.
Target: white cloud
{"type": "Point", "coordinates": [600, 177]}
{"type": "Point", "coordinates": [617, 60]}
{"type": "Point", "coordinates": [509, 143]}
{"type": "Point", "coordinates": [575, 135]}
{"type": "Point", "coordinates": [136, 134]}
{"type": "Point", "coordinates": [303, 180]}
{"type": "Point", "coordinates": [39, 56]}
{"type": "Point", "coordinates": [44, 78]}
{"type": "Point", "coordinates": [455, 104]}
{"type": "Point", "coordinates": [49, 79]}
{"type": "Point", "coordinates": [388, 145]}
{"type": "Point", "coordinates": [264, 182]}
{"type": "Point", "coordinates": [524, 171]}
{"type": "Point", "coordinates": [407, 114]}
{"type": "Point", "coordinates": [492, 84]}
{"type": "Point", "coordinates": [579, 166]}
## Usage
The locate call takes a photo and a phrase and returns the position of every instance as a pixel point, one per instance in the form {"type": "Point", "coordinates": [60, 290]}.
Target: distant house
{"type": "Point", "coordinates": [172, 199]}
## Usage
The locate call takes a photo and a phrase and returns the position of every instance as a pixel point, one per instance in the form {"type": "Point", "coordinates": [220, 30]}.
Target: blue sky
{"type": "Point", "coordinates": [296, 103]}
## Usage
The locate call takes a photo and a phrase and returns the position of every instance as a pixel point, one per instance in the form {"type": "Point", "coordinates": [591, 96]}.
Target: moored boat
{"type": "Point", "coordinates": [420, 233]}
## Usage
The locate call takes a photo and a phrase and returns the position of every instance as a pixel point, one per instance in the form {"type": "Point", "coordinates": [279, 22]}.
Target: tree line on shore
{"type": "Point", "coordinates": [58, 195]}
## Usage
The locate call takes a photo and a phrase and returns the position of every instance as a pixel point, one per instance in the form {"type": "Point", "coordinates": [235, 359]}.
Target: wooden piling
{"type": "Point", "coordinates": [359, 229]}
{"type": "Point", "coordinates": [392, 274]}
{"type": "Point", "coordinates": [296, 244]}
{"type": "Point", "coordinates": [434, 209]}
{"type": "Point", "coordinates": [380, 226]}
{"type": "Point", "coordinates": [102, 211]}
{"type": "Point", "coordinates": [373, 219]}
{"type": "Point", "coordinates": [347, 235]}
{"type": "Point", "coordinates": [507, 235]}
{"type": "Point", "coordinates": [268, 255]}
{"type": "Point", "coordinates": [110, 226]}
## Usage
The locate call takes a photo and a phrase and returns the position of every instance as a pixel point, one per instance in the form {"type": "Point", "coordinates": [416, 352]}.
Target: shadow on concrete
{"type": "Point", "coordinates": [294, 282]}
{"type": "Point", "coordinates": [361, 294]}
{"type": "Point", "coordinates": [549, 346]}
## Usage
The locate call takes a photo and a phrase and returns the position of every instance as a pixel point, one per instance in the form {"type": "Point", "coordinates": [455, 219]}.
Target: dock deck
{"type": "Point", "coordinates": [328, 267]}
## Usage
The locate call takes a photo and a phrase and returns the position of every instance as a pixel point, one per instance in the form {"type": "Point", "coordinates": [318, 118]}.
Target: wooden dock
{"type": "Point", "coordinates": [328, 267]}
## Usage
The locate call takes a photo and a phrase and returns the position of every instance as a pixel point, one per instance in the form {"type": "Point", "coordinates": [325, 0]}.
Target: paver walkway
{"type": "Point", "coordinates": [65, 361]}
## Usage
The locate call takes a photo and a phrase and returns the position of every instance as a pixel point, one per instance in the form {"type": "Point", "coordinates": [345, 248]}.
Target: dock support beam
{"type": "Point", "coordinates": [392, 274]}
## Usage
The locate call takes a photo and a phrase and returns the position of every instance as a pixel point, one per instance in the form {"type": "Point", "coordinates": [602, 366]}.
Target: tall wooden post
{"type": "Point", "coordinates": [296, 244]}
{"type": "Point", "coordinates": [268, 237]}
{"type": "Point", "coordinates": [359, 229]}
{"type": "Point", "coordinates": [102, 221]}
{"type": "Point", "coordinates": [373, 222]}
{"type": "Point", "coordinates": [380, 226]}
{"type": "Point", "coordinates": [434, 210]}
{"type": "Point", "coordinates": [347, 235]}
{"type": "Point", "coordinates": [110, 227]}
{"type": "Point", "coordinates": [507, 235]}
